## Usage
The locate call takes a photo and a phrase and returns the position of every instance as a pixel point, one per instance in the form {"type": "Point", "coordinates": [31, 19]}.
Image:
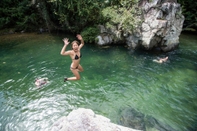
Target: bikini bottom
{"type": "Point", "coordinates": [73, 68]}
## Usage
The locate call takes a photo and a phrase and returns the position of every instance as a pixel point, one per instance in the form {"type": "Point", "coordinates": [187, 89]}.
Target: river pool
{"type": "Point", "coordinates": [114, 79]}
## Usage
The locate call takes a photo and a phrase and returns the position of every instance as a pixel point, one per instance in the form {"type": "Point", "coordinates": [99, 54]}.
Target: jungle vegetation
{"type": "Point", "coordinates": [77, 15]}
{"type": "Point", "coordinates": [189, 11]}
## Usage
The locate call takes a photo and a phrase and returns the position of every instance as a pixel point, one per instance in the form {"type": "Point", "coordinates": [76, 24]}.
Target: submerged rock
{"type": "Point", "coordinates": [86, 120]}
{"type": "Point", "coordinates": [134, 119]}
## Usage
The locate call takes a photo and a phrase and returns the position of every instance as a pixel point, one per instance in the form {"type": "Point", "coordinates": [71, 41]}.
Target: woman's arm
{"type": "Point", "coordinates": [63, 52]}
{"type": "Point", "coordinates": [82, 41]}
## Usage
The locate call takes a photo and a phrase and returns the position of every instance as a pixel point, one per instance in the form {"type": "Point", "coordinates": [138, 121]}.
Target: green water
{"type": "Point", "coordinates": [113, 79]}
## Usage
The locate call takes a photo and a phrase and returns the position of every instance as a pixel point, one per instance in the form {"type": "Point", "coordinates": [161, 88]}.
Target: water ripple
{"type": "Point", "coordinates": [112, 80]}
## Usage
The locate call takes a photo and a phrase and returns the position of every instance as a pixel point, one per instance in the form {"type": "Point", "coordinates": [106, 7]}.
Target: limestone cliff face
{"type": "Point", "coordinates": [86, 120]}
{"type": "Point", "coordinates": [161, 27]}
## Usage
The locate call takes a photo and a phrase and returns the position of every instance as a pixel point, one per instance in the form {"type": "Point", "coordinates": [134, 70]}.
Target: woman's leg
{"type": "Point", "coordinates": [76, 75]}
{"type": "Point", "coordinates": [80, 68]}
{"type": "Point", "coordinates": [158, 61]}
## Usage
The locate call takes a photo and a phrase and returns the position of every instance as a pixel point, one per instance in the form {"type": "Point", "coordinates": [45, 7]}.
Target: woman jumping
{"type": "Point", "coordinates": [75, 55]}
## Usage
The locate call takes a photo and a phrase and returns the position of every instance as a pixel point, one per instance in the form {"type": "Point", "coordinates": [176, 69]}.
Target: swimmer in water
{"type": "Point", "coordinates": [41, 81]}
{"type": "Point", "coordinates": [161, 60]}
{"type": "Point", "coordinates": [75, 56]}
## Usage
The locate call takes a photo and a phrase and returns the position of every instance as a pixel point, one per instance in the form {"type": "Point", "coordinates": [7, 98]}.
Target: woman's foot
{"type": "Point", "coordinates": [65, 79]}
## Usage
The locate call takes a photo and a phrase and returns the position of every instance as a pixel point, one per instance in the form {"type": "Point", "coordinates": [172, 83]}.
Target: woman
{"type": "Point", "coordinates": [75, 56]}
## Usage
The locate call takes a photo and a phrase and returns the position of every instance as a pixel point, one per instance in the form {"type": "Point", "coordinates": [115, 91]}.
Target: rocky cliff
{"type": "Point", "coordinates": [160, 27]}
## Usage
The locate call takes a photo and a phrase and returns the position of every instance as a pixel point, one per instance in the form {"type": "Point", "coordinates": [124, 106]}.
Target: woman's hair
{"type": "Point", "coordinates": [74, 42]}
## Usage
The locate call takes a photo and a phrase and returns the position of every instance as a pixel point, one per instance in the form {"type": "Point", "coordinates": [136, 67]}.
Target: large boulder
{"type": "Point", "coordinates": [86, 120]}
{"type": "Point", "coordinates": [160, 27]}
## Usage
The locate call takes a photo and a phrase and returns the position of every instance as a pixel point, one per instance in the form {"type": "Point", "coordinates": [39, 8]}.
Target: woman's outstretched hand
{"type": "Point", "coordinates": [66, 42]}
{"type": "Point", "coordinates": [79, 37]}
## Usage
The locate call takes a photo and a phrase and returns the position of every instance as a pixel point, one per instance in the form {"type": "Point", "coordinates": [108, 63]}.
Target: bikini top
{"type": "Point", "coordinates": [77, 57]}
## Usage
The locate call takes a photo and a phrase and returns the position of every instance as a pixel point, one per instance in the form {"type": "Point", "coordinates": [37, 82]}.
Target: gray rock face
{"type": "Point", "coordinates": [161, 27]}
{"type": "Point", "coordinates": [86, 120]}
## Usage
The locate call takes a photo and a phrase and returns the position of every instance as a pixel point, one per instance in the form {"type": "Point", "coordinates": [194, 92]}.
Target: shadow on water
{"type": "Point", "coordinates": [115, 82]}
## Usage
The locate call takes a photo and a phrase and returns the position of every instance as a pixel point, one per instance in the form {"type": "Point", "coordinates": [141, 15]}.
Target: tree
{"type": "Point", "coordinates": [74, 15]}
{"type": "Point", "coordinates": [189, 11]}
{"type": "Point", "coordinates": [125, 14]}
{"type": "Point", "coordinates": [17, 14]}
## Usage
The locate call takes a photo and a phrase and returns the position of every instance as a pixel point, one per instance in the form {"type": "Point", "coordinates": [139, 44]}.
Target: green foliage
{"type": "Point", "coordinates": [89, 34]}
{"type": "Point", "coordinates": [75, 15]}
{"type": "Point", "coordinates": [189, 11]}
{"type": "Point", "coordinates": [68, 15]}
{"type": "Point", "coordinates": [26, 21]}
{"type": "Point", "coordinates": [125, 15]}
{"type": "Point", "coordinates": [18, 14]}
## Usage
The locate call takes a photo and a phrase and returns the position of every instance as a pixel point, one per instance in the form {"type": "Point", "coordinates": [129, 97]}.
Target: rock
{"type": "Point", "coordinates": [161, 27]}
{"type": "Point", "coordinates": [104, 40]}
{"type": "Point", "coordinates": [135, 119]}
{"type": "Point", "coordinates": [86, 120]}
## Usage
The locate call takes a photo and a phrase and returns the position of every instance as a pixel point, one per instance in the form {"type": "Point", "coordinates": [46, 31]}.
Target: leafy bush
{"type": "Point", "coordinates": [18, 14]}
{"type": "Point", "coordinates": [89, 34]}
{"type": "Point", "coordinates": [125, 15]}
{"type": "Point", "coordinates": [189, 11]}
{"type": "Point", "coordinates": [75, 15]}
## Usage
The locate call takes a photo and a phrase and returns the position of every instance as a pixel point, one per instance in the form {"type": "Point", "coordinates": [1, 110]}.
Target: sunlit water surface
{"type": "Point", "coordinates": [114, 79]}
